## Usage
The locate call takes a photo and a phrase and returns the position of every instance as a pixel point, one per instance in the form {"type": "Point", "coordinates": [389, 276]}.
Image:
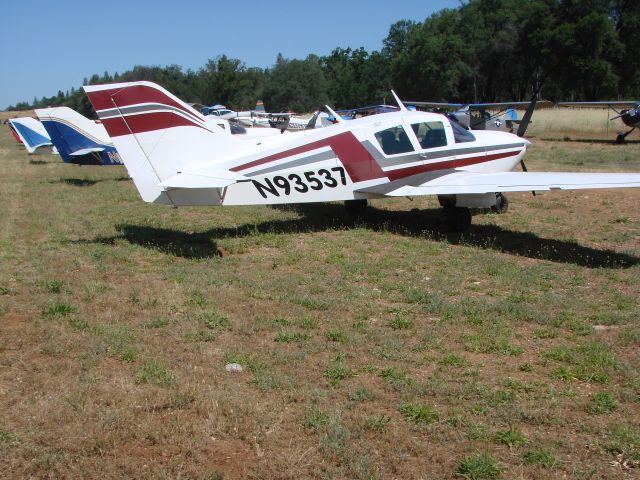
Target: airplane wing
{"type": "Point", "coordinates": [622, 103]}
{"type": "Point", "coordinates": [442, 105]}
{"type": "Point", "coordinates": [451, 182]}
{"type": "Point", "coordinates": [477, 106]}
{"type": "Point", "coordinates": [482, 106]}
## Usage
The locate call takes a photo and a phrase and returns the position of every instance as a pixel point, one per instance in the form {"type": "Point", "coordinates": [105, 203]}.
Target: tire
{"type": "Point", "coordinates": [355, 207]}
{"type": "Point", "coordinates": [502, 204]}
{"type": "Point", "coordinates": [620, 138]}
{"type": "Point", "coordinates": [458, 218]}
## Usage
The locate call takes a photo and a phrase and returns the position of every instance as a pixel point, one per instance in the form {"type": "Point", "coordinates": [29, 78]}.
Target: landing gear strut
{"type": "Point", "coordinates": [458, 218]}
{"type": "Point", "coordinates": [355, 207]}
{"type": "Point", "coordinates": [502, 203]}
{"type": "Point", "coordinates": [622, 135]}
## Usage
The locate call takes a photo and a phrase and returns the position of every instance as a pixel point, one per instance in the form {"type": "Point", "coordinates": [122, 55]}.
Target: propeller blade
{"type": "Point", "coordinates": [526, 119]}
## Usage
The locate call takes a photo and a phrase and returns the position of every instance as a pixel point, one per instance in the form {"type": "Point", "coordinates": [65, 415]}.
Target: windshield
{"type": "Point", "coordinates": [461, 134]}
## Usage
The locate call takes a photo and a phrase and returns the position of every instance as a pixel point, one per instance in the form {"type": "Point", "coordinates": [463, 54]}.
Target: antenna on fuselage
{"type": "Point", "coordinates": [399, 102]}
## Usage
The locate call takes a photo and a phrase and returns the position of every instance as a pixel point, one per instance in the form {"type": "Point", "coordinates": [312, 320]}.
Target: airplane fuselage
{"type": "Point", "coordinates": [353, 159]}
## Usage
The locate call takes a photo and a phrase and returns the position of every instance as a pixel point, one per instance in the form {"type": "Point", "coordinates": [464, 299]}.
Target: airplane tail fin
{"type": "Point", "coordinates": [31, 132]}
{"type": "Point", "coordinates": [78, 139]}
{"type": "Point", "coordinates": [158, 136]}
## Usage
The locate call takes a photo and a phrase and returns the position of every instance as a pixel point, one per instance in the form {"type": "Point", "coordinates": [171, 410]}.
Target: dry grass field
{"type": "Point", "coordinates": [576, 123]}
{"type": "Point", "coordinates": [376, 348]}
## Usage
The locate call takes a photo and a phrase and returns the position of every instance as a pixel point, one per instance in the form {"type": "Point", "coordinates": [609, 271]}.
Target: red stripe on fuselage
{"type": "Point", "coordinates": [145, 122]}
{"type": "Point", "coordinates": [13, 132]}
{"type": "Point", "coordinates": [356, 159]}
{"type": "Point", "coordinates": [133, 95]}
{"type": "Point", "coordinates": [461, 162]}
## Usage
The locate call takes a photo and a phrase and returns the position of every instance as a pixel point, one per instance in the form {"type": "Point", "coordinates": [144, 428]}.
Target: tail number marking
{"type": "Point", "coordinates": [304, 183]}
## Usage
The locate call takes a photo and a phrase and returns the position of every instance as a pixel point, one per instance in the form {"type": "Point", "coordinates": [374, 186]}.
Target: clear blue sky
{"type": "Point", "coordinates": [52, 45]}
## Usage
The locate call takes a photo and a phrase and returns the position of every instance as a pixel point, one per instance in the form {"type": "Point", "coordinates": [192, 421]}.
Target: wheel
{"type": "Point", "coordinates": [458, 218]}
{"type": "Point", "coordinates": [355, 207]}
{"type": "Point", "coordinates": [502, 203]}
{"type": "Point", "coordinates": [620, 138]}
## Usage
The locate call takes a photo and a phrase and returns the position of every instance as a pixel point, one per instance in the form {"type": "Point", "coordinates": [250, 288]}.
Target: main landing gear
{"type": "Point", "coordinates": [502, 203]}
{"type": "Point", "coordinates": [458, 219]}
{"type": "Point", "coordinates": [457, 209]}
{"type": "Point", "coordinates": [355, 207]}
{"type": "Point", "coordinates": [622, 135]}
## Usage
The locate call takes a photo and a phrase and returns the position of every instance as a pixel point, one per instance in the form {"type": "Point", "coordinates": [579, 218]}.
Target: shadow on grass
{"type": "Point", "coordinates": [415, 223]}
{"type": "Point", "coordinates": [605, 141]}
{"type": "Point", "coordinates": [39, 162]}
{"type": "Point", "coordinates": [86, 182]}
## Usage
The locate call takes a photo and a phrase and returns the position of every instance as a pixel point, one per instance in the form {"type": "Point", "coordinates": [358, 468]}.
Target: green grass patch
{"type": "Point", "coordinates": [214, 321]}
{"type": "Point", "coordinates": [401, 323]}
{"type": "Point", "coordinates": [479, 466]}
{"type": "Point", "coordinates": [378, 423]}
{"type": "Point", "coordinates": [419, 414]}
{"type": "Point", "coordinates": [337, 372]}
{"type": "Point", "coordinates": [540, 457]}
{"type": "Point", "coordinates": [295, 337]}
{"type": "Point", "coordinates": [58, 309]}
{"type": "Point", "coordinates": [316, 420]}
{"type": "Point", "coordinates": [154, 372]}
{"type": "Point", "coordinates": [54, 286]}
{"type": "Point", "coordinates": [601, 402]}
{"type": "Point", "coordinates": [511, 437]}
{"type": "Point", "coordinates": [336, 335]}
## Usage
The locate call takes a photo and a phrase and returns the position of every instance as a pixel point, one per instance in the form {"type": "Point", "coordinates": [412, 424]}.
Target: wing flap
{"type": "Point", "coordinates": [476, 183]}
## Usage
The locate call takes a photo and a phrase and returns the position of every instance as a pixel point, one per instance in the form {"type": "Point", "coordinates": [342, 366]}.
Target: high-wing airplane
{"type": "Point", "coordinates": [478, 116]}
{"type": "Point", "coordinates": [175, 158]}
{"type": "Point", "coordinates": [630, 115]}
{"type": "Point", "coordinates": [79, 140]}
{"type": "Point", "coordinates": [30, 132]}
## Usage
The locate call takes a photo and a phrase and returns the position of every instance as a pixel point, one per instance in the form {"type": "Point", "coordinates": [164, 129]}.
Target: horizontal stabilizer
{"type": "Point", "coordinates": [202, 180]}
{"type": "Point", "coordinates": [86, 151]}
{"type": "Point", "coordinates": [458, 182]}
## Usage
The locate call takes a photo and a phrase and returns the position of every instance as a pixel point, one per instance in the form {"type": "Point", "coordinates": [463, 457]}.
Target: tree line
{"type": "Point", "coordinates": [482, 51]}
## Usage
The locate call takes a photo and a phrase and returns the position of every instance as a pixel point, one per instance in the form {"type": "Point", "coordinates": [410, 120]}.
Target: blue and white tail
{"type": "Point", "coordinates": [31, 133]}
{"type": "Point", "coordinates": [78, 139]}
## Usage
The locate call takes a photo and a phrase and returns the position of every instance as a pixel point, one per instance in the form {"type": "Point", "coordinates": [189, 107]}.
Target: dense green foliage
{"type": "Point", "coordinates": [485, 50]}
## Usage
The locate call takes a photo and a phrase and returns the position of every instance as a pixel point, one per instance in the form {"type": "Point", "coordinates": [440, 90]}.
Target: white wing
{"type": "Point", "coordinates": [456, 182]}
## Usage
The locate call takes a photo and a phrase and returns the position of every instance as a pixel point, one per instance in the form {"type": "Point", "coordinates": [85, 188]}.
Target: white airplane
{"type": "Point", "coordinates": [176, 158]}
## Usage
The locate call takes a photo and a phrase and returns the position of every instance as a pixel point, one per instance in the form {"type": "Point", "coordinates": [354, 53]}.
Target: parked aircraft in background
{"type": "Point", "coordinates": [13, 131]}
{"type": "Point", "coordinates": [630, 116]}
{"type": "Point", "coordinates": [31, 133]}
{"type": "Point", "coordinates": [175, 158]}
{"type": "Point", "coordinates": [78, 140]}
{"type": "Point", "coordinates": [481, 116]}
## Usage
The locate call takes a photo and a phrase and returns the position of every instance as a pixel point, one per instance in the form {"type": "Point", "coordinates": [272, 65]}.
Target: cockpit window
{"type": "Point", "coordinates": [394, 140]}
{"type": "Point", "coordinates": [430, 134]}
{"type": "Point", "coordinates": [461, 134]}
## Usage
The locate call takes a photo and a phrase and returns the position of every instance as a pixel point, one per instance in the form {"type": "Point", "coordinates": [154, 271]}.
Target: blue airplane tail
{"type": "Point", "coordinates": [31, 133]}
{"type": "Point", "coordinates": [78, 140]}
